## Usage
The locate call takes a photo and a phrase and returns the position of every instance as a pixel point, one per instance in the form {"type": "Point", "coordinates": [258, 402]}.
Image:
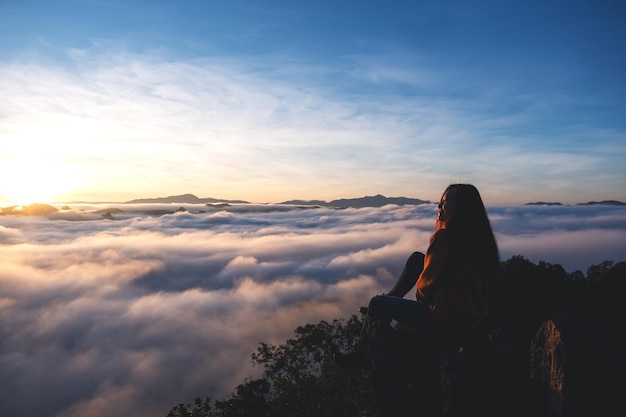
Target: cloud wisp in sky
{"type": "Point", "coordinates": [217, 128]}
{"type": "Point", "coordinates": [239, 101]}
{"type": "Point", "coordinates": [131, 316]}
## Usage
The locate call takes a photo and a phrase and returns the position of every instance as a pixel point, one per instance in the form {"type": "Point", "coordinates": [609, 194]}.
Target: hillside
{"type": "Point", "coordinates": [358, 202]}
{"type": "Point", "coordinates": [183, 199]}
{"type": "Point", "coordinates": [369, 201]}
{"type": "Point", "coordinates": [558, 351]}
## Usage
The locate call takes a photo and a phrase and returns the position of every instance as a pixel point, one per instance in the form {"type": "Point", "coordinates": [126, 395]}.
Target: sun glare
{"type": "Point", "coordinates": [33, 182]}
{"type": "Point", "coordinates": [28, 196]}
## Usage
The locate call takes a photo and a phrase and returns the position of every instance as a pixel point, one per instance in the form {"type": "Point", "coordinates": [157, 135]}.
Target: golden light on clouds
{"type": "Point", "coordinates": [168, 307]}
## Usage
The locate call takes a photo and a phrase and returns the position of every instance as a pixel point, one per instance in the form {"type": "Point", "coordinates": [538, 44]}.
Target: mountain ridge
{"type": "Point", "coordinates": [377, 200]}
{"type": "Point", "coordinates": [588, 203]}
{"type": "Point", "coordinates": [40, 209]}
{"type": "Point", "coordinates": [359, 202]}
{"type": "Point", "coordinates": [183, 198]}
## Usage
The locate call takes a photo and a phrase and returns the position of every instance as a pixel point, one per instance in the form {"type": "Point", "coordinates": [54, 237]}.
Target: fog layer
{"type": "Point", "coordinates": [131, 314]}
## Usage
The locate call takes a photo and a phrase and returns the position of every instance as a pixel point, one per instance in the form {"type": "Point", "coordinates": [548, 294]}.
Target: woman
{"type": "Point", "coordinates": [452, 280]}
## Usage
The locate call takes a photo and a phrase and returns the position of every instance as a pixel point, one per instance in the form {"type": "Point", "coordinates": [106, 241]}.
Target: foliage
{"type": "Point", "coordinates": [304, 376]}
{"type": "Point", "coordinates": [301, 377]}
{"type": "Point", "coordinates": [202, 408]}
{"type": "Point", "coordinates": [595, 273]}
{"type": "Point", "coordinates": [249, 399]}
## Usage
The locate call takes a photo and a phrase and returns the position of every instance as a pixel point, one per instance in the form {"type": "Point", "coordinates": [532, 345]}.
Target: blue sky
{"type": "Point", "coordinates": [275, 100]}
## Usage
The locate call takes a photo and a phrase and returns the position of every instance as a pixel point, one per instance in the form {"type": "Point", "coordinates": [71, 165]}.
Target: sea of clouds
{"type": "Point", "coordinates": [131, 315]}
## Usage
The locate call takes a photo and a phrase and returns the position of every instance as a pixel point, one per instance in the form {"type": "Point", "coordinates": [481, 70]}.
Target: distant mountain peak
{"type": "Point", "coordinates": [378, 200]}
{"type": "Point", "coordinates": [543, 203]}
{"type": "Point", "coordinates": [182, 199]}
{"type": "Point", "coordinates": [603, 203]}
{"type": "Point", "coordinates": [589, 203]}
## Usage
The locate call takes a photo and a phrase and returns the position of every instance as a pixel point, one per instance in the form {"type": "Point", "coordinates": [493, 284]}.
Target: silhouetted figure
{"type": "Point", "coordinates": [452, 282]}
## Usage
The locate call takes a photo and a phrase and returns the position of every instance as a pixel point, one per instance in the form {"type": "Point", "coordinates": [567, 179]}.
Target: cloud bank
{"type": "Point", "coordinates": [130, 316]}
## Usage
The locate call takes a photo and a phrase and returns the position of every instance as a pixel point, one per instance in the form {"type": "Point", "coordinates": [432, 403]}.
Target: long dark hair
{"type": "Point", "coordinates": [469, 227]}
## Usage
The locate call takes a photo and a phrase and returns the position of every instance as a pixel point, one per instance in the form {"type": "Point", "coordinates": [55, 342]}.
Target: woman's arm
{"type": "Point", "coordinates": [434, 263]}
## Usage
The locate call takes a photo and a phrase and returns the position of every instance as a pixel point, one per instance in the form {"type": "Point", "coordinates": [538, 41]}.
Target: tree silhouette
{"type": "Point", "coordinates": [301, 378]}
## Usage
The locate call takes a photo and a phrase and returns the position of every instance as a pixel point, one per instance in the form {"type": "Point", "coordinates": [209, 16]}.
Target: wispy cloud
{"type": "Point", "coordinates": [142, 312]}
{"type": "Point", "coordinates": [113, 121]}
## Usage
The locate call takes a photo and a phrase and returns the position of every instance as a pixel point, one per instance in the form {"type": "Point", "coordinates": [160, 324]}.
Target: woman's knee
{"type": "Point", "coordinates": [415, 264]}
{"type": "Point", "coordinates": [374, 307]}
{"type": "Point", "coordinates": [416, 258]}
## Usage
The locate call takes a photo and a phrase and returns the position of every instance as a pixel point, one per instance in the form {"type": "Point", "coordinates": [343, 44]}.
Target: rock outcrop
{"type": "Point", "coordinates": [550, 347]}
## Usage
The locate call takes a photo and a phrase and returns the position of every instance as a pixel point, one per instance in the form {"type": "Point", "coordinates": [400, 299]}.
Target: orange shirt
{"type": "Point", "coordinates": [453, 288]}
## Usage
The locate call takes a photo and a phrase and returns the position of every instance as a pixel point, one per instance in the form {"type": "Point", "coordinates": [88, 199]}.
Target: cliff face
{"type": "Point", "coordinates": [565, 336]}
{"type": "Point", "coordinates": [573, 370]}
{"type": "Point", "coordinates": [552, 346]}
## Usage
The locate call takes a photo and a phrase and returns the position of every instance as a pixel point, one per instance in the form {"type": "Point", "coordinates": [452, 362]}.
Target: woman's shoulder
{"type": "Point", "coordinates": [440, 234]}
{"type": "Point", "coordinates": [440, 237]}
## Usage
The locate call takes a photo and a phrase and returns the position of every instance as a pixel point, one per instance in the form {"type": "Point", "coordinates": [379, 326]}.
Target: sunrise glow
{"type": "Point", "coordinates": [28, 181]}
{"type": "Point", "coordinates": [268, 108]}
